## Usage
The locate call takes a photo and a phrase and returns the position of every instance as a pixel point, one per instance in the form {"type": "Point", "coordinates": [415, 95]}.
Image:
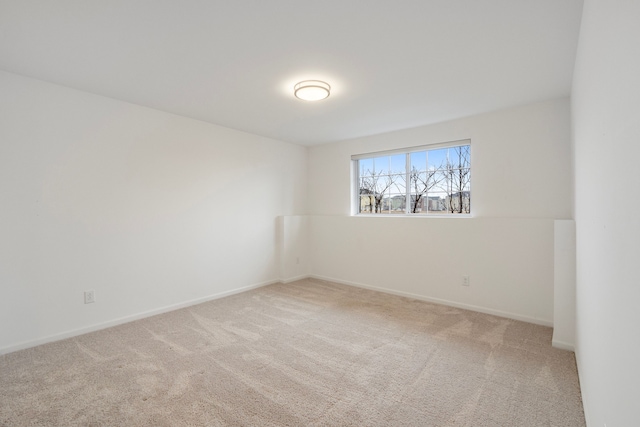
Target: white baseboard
{"type": "Point", "coordinates": [130, 318]}
{"type": "Point", "coordinates": [471, 307]}
{"type": "Point", "coordinates": [294, 279]}
{"type": "Point", "coordinates": [563, 345]}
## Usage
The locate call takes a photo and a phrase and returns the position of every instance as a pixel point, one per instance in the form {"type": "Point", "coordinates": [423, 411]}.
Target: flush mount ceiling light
{"type": "Point", "coordinates": [311, 90]}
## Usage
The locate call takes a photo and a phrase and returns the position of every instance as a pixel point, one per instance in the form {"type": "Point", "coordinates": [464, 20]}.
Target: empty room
{"type": "Point", "coordinates": [287, 213]}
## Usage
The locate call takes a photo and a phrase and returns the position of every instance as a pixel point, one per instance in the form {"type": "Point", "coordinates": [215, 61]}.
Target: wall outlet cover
{"type": "Point", "coordinates": [89, 297]}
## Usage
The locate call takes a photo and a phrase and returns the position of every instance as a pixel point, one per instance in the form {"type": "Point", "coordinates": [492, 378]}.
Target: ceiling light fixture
{"type": "Point", "coordinates": [311, 90]}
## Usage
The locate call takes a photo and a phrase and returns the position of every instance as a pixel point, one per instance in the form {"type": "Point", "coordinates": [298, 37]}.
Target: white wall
{"type": "Point", "coordinates": [149, 209]}
{"type": "Point", "coordinates": [509, 260]}
{"type": "Point", "coordinates": [521, 180]}
{"type": "Point", "coordinates": [293, 247]}
{"type": "Point", "coordinates": [520, 157]}
{"type": "Point", "coordinates": [606, 132]}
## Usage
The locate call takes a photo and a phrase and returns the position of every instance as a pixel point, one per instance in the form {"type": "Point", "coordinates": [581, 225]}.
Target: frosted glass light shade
{"type": "Point", "coordinates": [311, 90]}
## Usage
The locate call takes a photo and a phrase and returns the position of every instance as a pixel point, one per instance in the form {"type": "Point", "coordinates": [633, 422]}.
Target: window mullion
{"type": "Point", "coordinates": [407, 185]}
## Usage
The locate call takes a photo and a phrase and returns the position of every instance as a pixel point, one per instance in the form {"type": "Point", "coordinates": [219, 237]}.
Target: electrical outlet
{"type": "Point", "coordinates": [297, 260]}
{"type": "Point", "coordinates": [89, 297]}
{"type": "Point", "coordinates": [465, 280]}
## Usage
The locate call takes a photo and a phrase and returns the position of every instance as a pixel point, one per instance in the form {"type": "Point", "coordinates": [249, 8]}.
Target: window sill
{"type": "Point", "coordinates": [412, 215]}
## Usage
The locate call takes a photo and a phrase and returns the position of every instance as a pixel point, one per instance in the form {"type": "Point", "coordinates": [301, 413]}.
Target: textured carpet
{"type": "Point", "coordinates": [309, 353]}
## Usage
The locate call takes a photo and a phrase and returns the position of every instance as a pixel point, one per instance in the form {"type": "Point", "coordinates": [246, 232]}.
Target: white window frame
{"type": "Point", "coordinates": [355, 174]}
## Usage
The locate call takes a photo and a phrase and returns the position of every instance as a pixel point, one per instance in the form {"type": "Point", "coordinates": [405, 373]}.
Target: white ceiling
{"type": "Point", "coordinates": [391, 64]}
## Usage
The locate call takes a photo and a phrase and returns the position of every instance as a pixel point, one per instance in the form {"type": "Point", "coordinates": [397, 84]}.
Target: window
{"type": "Point", "coordinates": [434, 179]}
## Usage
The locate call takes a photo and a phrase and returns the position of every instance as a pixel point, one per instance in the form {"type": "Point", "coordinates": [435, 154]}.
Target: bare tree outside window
{"type": "Point", "coordinates": [417, 181]}
{"type": "Point", "coordinates": [424, 178]}
{"type": "Point", "coordinates": [458, 179]}
{"type": "Point", "coordinates": [381, 180]}
{"type": "Point", "coordinates": [375, 186]}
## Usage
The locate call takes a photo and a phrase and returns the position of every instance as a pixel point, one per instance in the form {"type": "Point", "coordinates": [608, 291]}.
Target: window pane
{"type": "Point", "coordinates": [431, 181]}
{"type": "Point", "coordinates": [419, 161]}
{"type": "Point", "coordinates": [399, 163]}
{"type": "Point", "coordinates": [437, 159]}
{"type": "Point", "coordinates": [454, 156]}
{"type": "Point", "coordinates": [436, 203]}
{"type": "Point", "coordinates": [397, 203]}
{"type": "Point", "coordinates": [365, 186]}
{"type": "Point", "coordinates": [436, 181]}
{"type": "Point", "coordinates": [378, 202]}
{"type": "Point", "coordinates": [458, 202]}
{"type": "Point", "coordinates": [465, 155]}
{"type": "Point", "coordinates": [383, 183]}
{"type": "Point", "coordinates": [439, 181]}
{"type": "Point", "coordinates": [365, 167]}
{"type": "Point", "coordinates": [418, 182]}
{"type": "Point", "coordinates": [399, 184]}
{"type": "Point", "coordinates": [384, 207]}
{"type": "Point", "coordinates": [467, 183]}
{"type": "Point", "coordinates": [417, 203]}
{"type": "Point", "coordinates": [459, 156]}
{"type": "Point", "coordinates": [381, 164]}
{"type": "Point", "coordinates": [366, 202]}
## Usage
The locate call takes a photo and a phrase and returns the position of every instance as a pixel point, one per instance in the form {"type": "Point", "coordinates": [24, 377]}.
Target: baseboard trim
{"type": "Point", "coordinates": [110, 323]}
{"type": "Point", "coordinates": [295, 279]}
{"type": "Point", "coordinates": [99, 326]}
{"type": "Point", "coordinates": [563, 345]}
{"type": "Point", "coordinates": [449, 303]}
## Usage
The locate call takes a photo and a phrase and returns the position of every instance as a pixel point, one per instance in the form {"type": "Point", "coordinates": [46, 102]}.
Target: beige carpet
{"type": "Point", "coordinates": [310, 353]}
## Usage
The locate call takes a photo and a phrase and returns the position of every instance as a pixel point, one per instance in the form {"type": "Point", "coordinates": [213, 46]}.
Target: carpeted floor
{"type": "Point", "coordinates": [309, 353]}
